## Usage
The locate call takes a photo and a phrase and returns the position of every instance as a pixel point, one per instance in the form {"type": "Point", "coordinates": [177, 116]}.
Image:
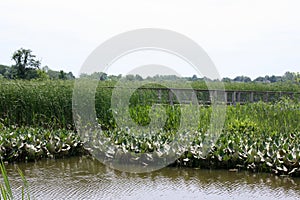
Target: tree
{"type": "Point", "coordinates": [138, 77]}
{"type": "Point", "coordinates": [130, 77]}
{"type": "Point", "coordinates": [25, 62]}
{"type": "Point", "coordinates": [297, 77]}
{"type": "Point", "coordinates": [11, 73]}
{"type": "Point", "coordinates": [53, 74]}
{"type": "Point", "coordinates": [194, 77]}
{"type": "Point", "coordinates": [288, 76]}
{"type": "Point", "coordinates": [3, 69]}
{"type": "Point", "coordinates": [274, 79]}
{"type": "Point", "coordinates": [31, 74]}
{"type": "Point", "coordinates": [226, 79]}
{"type": "Point", "coordinates": [70, 76]}
{"type": "Point", "coordinates": [242, 79]}
{"type": "Point", "coordinates": [42, 75]}
{"type": "Point", "coordinates": [114, 77]}
{"type": "Point", "coordinates": [62, 75]}
{"type": "Point", "coordinates": [259, 79]}
{"type": "Point", "coordinates": [103, 76]}
{"type": "Point", "coordinates": [45, 69]}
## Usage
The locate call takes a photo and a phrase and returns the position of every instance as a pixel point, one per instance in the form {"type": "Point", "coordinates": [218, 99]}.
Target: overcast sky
{"type": "Point", "coordinates": [253, 37]}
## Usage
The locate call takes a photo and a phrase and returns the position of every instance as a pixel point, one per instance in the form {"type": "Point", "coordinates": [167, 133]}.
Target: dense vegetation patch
{"type": "Point", "coordinates": [28, 143]}
{"type": "Point", "coordinates": [36, 121]}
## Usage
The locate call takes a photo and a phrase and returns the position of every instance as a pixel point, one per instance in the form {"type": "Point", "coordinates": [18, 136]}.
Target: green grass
{"type": "Point", "coordinates": [5, 188]}
{"type": "Point", "coordinates": [48, 104]}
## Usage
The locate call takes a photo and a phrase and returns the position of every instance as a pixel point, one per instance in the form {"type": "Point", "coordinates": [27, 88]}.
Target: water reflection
{"type": "Point", "coordinates": [85, 178]}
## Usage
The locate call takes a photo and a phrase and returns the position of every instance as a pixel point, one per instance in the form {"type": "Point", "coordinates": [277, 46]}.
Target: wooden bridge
{"type": "Point", "coordinates": [206, 97]}
{"type": "Point", "coordinates": [231, 97]}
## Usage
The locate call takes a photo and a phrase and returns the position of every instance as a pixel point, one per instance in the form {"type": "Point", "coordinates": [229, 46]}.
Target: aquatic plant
{"type": "Point", "coordinates": [5, 188]}
{"type": "Point", "coordinates": [28, 143]}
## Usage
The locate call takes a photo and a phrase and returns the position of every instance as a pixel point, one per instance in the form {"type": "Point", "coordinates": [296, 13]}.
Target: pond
{"type": "Point", "coordinates": [85, 178]}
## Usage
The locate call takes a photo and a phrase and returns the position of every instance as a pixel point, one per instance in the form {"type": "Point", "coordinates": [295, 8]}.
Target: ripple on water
{"type": "Point", "coordinates": [84, 178]}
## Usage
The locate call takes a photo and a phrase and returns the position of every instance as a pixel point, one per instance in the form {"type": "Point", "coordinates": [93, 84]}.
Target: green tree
{"type": "Point", "coordinates": [194, 77]}
{"type": "Point", "coordinates": [226, 79]}
{"type": "Point", "coordinates": [103, 76]}
{"type": "Point", "coordinates": [70, 76]}
{"type": "Point", "coordinates": [25, 61]}
{"type": "Point", "coordinates": [62, 75]}
{"type": "Point", "coordinates": [242, 79]}
{"type": "Point", "coordinates": [31, 74]}
{"type": "Point", "coordinates": [53, 74]}
{"type": "Point", "coordinates": [11, 73]}
{"type": "Point", "coordinates": [297, 77]}
{"type": "Point", "coordinates": [130, 77]}
{"type": "Point", "coordinates": [114, 77]}
{"type": "Point", "coordinates": [3, 69]}
{"type": "Point", "coordinates": [288, 76]}
{"type": "Point", "coordinates": [138, 77]}
{"type": "Point", "coordinates": [42, 75]}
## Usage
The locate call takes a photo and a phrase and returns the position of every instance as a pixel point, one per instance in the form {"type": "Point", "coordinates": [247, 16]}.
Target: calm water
{"type": "Point", "coordinates": [83, 178]}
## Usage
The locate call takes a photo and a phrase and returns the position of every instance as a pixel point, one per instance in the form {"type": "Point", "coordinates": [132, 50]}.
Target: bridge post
{"type": "Point", "coordinates": [239, 97]}
{"type": "Point", "coordinates": [159, 95]}
{"type": "Point", "coordinates": [234, 97]}
{"type": "Point", "coordinates": [171, 97]}
{"type": "Point", "coordinates": [266, 96]}
{"type": "Point", "coordinates": [251, 96]}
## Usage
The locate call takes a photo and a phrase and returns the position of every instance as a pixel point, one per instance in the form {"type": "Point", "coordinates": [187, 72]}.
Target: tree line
{"type": "Point", "coordinates": [291, 77]}
{"type": "Point", "coordinates": [27, 66]}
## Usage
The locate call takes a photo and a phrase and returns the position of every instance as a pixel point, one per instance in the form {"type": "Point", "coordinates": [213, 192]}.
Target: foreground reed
{"type": "Point", "coordinates": [5, 188]}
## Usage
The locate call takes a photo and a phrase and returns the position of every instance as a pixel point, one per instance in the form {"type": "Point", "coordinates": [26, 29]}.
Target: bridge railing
{"type": "Point", "coordinates": [171, 95]}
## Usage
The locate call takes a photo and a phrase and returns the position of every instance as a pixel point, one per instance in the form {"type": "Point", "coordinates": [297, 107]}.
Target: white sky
{"type": "Point", "coordinates": [253, 37]}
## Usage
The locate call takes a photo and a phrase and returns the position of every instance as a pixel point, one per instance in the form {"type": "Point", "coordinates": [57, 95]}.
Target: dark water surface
{"type": "Point", "coordinates": [84, 178]}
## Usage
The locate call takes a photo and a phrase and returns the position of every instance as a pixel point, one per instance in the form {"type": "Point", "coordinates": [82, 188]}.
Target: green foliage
{"type": "Point", "coordinates": [28, 67]}
{"type": "Point", "coordinates": [40, 103]}
{"type": "Point", "coordinates": [49, 103]}
{"type": "Point", "coordinates": [28, 143]}
{"type": "Point", "coordinates": [6, 191]}
{"type": "Point", "coordinates": [25, 61]}
{"type": "Point", "coordinates": [96, 76]}
{"type": "Point", "coordinates": [3, 69]}
{"type": "Point", "coordinates": [42, 75]}
{"type": "Point", "coordinates": [242, 79]}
